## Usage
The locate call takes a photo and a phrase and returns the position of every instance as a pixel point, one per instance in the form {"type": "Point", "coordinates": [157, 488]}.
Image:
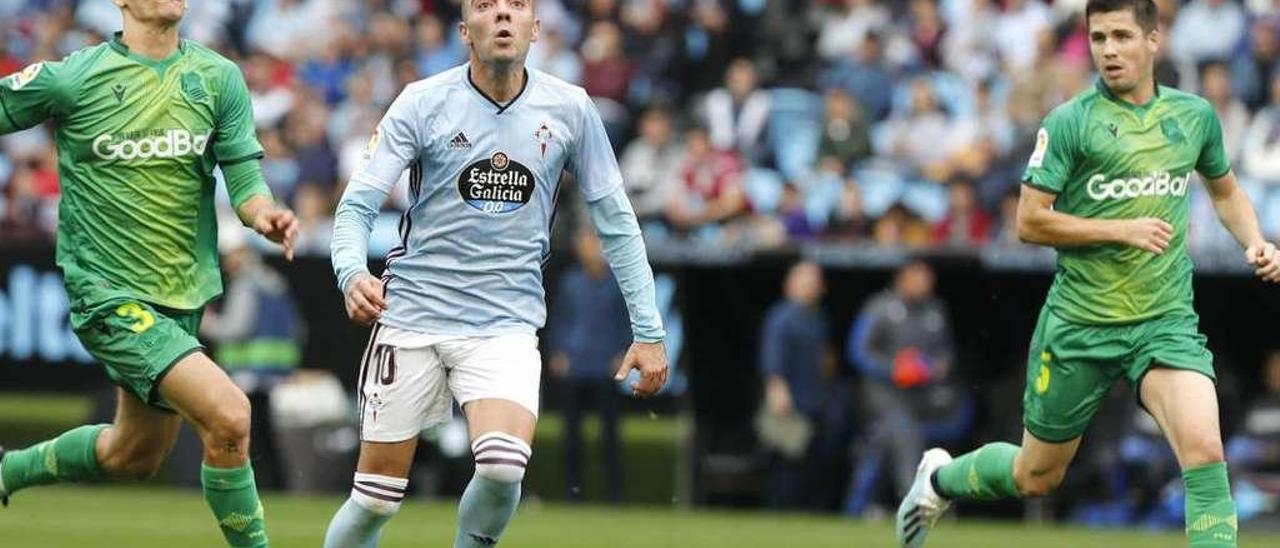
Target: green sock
{"type": "Point", "coordinates": [232, 495]}
{"type": "Point", "coordinates": [1211, 514]}
{"type": "Point", "coordinates": [985, 474]}
{"type": "Point", "coordinates": [68, 457]}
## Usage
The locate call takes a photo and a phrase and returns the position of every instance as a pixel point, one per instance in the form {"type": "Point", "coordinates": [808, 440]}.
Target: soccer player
{"type": "Point", "coordinates": [142, 121]}
{"type": "Point", "coordinates": [1107, 185]}
{"type": "Point", "coordinates": [458, 307]}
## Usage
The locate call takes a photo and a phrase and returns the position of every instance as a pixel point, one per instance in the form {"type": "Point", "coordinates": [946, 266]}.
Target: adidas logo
{"type": "Point", "coordinates": [459, 141]}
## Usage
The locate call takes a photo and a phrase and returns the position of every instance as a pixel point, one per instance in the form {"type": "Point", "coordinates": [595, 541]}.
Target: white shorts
{"type": "Point", "coordinates": [408, 380]}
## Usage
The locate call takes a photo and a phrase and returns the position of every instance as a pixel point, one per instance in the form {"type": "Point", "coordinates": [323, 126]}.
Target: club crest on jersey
{"type": "Point", "coordinates": [496, 184]}
{"type": "Point", "coordinates": [193, 87]}
{"type": "Point", "coordinates": [21, 79]}
{"type": "Point", "coordinates": [543, 136]}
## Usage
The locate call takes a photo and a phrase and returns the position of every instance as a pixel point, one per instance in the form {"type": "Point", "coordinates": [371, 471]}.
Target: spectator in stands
{"type": "Point", "coordinates": [438, 51]}
{"type": "Point", "coordinates": [969, 46]}
{"type": "Point", "coordinates": [1252, 72]}
{"type": "Point", "coordinates": [587, 336]}
{"type": "Point", "coordinates": [305, 133]}
{"type": "Point", "coordinates": [551, 54]}
{"type": "Point", "coordinates": [846, 137]}
{"type": "Point", "coordinates": [1018, 27]}
{"type": "Point", "coordinates": [797, 364]}
{"type": "Point", "coordinates": [607, 75]}
{"type": "Point", "coordinates": [845, 27]}
{"type": "Point", "coordinates": [736, 113]}
{"type": "Point", "coordinates": [1204, 30]}
{"type": "Point", "coordinates": [1215, 85]}
{"type": "Point", "coordinates": [966, 224]}
{"type": "Point", "coordinates": [901, 343]}
{"type": "Point", "coordinates": [927, 32]}
{"type": "Point", "coordinates": [922, 139]}
{"type": "Point", "coordinates": [865, 75]}
{"type": "Point", "coordinates": [709, 190]}
{"type": "Point", "coordinates": [1260, 159]}
{"type": "Point", "coordinates": [651, 164]}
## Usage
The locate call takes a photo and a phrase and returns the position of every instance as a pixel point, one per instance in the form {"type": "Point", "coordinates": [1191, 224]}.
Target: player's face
{"type": "Point", "coordinates": [1123, 54]}
{"type": "Point", "coordinates": [157, 11]}
{"type": "Point", "coordinates": [499, 31]}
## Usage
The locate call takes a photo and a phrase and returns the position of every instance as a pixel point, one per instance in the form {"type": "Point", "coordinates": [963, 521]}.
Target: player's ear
{"type": "Point", "coordinates": [464, 32]}
{"type": "Point", "coordinates": [1154, 40]}
{"type": "Point", "coordinates": [537, 29]}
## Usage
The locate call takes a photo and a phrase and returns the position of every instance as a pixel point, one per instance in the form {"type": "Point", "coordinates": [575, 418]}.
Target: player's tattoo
{"type": "Point", "coordinates": [231, 447]}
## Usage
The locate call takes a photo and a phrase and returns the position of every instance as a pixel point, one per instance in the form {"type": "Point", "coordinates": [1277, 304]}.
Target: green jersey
{"type": "Point", "coordinates": [137, 143]}
{"type": "Point", "coordinates": [1106, 158]}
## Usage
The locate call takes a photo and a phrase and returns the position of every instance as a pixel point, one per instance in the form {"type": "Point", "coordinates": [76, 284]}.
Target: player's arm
{"type": "Point", "coordinates": [1039, 224]}
{"type": "Point", "coordinates": [600, 182]}
{"type": "Point", "coordinates": [393, 146]}
{"type": "Point", "coordinates": [235, 145]}
{"type": "Point", "coordinates": [1230, 201]}
{"type": "Point", "coordinates": [31, 96]}
{"type": "Point", "coordinates": [1052, 164]}
{"type": "Point", "coordinates": [1238, 216]}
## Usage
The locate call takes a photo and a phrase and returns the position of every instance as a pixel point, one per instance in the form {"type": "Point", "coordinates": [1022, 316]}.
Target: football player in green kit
{"type": "Point", "coordinates": [141, 123]}
{"type": "Point", "coordinates": [1108, 186]}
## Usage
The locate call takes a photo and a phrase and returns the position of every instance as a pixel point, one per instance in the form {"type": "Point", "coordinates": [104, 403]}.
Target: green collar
{"type": "Point", "coordinates": [117, 43]}
{"type": "Point", "coordinates": [1106, 92]}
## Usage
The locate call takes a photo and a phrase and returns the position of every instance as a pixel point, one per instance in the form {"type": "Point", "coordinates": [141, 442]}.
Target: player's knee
{"type": "Point", "coordinates": [1203, 449]}
{"type": "Point", "coordinates": [501, 457]}
{"type": "Point", "coordinates": [230, 423]}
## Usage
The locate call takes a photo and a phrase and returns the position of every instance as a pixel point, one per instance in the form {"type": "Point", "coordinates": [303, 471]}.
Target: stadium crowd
{"type": "Point", "coordinates": [743, 121]}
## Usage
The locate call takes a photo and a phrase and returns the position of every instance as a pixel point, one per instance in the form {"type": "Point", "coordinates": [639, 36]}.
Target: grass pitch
{"type": "Point", "coordinates": [111, 516]}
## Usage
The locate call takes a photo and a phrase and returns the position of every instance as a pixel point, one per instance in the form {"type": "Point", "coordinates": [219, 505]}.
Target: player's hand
{"type": "Point", "coordinates": [364, 299]}
{"type": "Point", "coordinates": [278, 225]}
{"type": "Point", "coordinates": [559, 365]}
{"type": "Point", "coordinates": [1263, 257]}
{"type": "Point", "coordinates": [650, 359]}
{"type": "Point", "coordinates": [1148, 234]}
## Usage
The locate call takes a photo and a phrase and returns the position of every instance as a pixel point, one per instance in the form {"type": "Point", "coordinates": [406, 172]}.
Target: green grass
{"type": "Point", "coordinates": [146, 517]}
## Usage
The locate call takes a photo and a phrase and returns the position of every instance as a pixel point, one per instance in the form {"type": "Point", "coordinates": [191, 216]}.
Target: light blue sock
{"type": "Point", "coordinates": [358, 524]}
{"type": "Point", "coordinates": [486, 507]}
{"type": "Point", "coordinates": [494, 492]}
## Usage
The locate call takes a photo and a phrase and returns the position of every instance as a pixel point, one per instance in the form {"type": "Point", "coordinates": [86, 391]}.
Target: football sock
{"type": "Point", "coordinates": [494, 492]}
{"type": "Point", "coordinates": [358, 524]}
{"type": "Point", "coordinates": [984, 474]}
{"type": "Point", "coordinates": [233, 497]}
{"type": "Point", "coordinates": [68, 457]}
{"type": "Point", "coordinates": [1211, 514]}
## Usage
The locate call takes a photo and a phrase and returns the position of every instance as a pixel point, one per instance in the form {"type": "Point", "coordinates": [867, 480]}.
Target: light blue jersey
{"type": "Point", "coordinates": [482, 188]}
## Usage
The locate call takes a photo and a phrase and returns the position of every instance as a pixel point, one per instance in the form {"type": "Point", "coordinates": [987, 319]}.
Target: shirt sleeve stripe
{"type": "Point", "coordinates": [1040, 187]}
{"type": "Point", "coordinates": [255, 156]}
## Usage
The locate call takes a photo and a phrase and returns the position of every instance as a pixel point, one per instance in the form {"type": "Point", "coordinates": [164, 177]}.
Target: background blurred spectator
{"type": "Point", "coordinates": [588, 333]}
{"type": "Point", "coordinates": [901, 343]}
{"type": "Point", "coordinates": [797, 363]}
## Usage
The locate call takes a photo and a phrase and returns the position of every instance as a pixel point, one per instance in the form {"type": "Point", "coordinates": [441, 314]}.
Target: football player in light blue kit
{"type": "Point", "coordinates": [456, 313]}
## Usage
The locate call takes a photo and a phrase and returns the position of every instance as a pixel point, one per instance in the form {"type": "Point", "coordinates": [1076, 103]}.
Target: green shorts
{"type": "Point", "coordinates": [137, 342]}
{"type": "Point", "coordinates": [1071, 366]}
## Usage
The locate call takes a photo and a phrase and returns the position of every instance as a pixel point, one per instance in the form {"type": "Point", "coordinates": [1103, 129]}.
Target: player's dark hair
{"type": "Point", "coordinates": [1144, 11]}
